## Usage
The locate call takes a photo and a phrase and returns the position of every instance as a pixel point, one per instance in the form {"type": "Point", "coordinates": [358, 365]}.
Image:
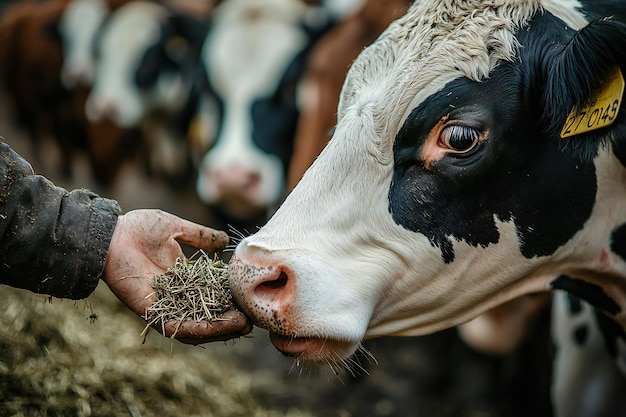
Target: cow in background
{"type": "Point", "coordinates": [586, 380]}
{"type": "Point", "coordinates": [30, 63]}
{"type": "Point", "coordinates": [146, 55]}
{"type": "Point", "coordinates": [77, 29]}
{"type": "Point", "coordinates": [81, 22]}
{"type": "Point", "coordinates": [46, 65]}
{"type": "Point", "coordinates": [109, 146]}
{"type": "Point", "coordinates": [254, 55]}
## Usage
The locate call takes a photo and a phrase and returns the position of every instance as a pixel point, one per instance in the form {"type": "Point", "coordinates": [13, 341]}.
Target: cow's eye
{"type": "Point", "coordinates": [458, 138]}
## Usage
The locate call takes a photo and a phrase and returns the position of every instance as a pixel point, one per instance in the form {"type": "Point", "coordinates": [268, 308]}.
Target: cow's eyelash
{"type": "Point", "coordinates": [459, 138]}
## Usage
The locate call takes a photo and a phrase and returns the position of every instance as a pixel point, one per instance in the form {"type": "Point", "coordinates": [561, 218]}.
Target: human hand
{"type": "Point", "coordinates": [144, 244]}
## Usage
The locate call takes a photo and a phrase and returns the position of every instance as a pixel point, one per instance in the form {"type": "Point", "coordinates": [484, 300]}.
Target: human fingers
{"type": "Point", "coordinates": [197, 235]}
{"type": "Point", "coordinates": [232, 324]}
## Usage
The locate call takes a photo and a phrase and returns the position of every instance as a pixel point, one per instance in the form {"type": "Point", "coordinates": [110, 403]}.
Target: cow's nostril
{"type": "Point", "coordinates": [253, 180]}
{"type": "Point", "coordinates": [273, 286]}
{"type": "Point", "coordinates": [256, 177]}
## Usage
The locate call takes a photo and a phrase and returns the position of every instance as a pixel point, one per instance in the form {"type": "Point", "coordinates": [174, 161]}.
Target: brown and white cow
{"type": "Point", "coordinates": [45, 67]}
{"type": "Point", "coordinates": [30, 61]}
{"type": "Point", "coordinates": [447, 188]}
{"type": "Point", "coordinates": [146, 55]}
{"type": "Point", "coordinates": [77, 29]}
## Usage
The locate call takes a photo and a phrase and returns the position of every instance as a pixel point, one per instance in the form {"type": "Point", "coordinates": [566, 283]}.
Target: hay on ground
{"type": "Point", "coordinates": [56, 359]}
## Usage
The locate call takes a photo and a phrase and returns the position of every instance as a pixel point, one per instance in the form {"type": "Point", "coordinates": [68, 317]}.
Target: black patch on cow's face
{"type": "Point", "coordinates": [515, 173]}
{"type": "Point", "coordinates": [153, 64]}
{"type": "Point", "coordinates": [522, 171]}
{"type": "Point", "coordinates": [275, 118]}
{"type": "Point", "coordinates": [175, 51]}
{"type": "Point", "coordinates": [275, 124]}
{"type": "Point", "coordinates": [592, 293]}
{"type": "Point", "coordinates": [52, 30]}
{"type": "Point", "coordinates": [580, 334]}
{"type": "Point", "coordinates": [618, 241]}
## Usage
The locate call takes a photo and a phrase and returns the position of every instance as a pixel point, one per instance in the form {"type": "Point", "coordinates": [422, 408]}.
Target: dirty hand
{"type": "Point", "coordinates": [144, 244]}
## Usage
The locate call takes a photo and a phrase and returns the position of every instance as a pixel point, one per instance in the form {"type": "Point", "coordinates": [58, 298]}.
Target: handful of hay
{"type": "Point", "coordinates": [193, 289]}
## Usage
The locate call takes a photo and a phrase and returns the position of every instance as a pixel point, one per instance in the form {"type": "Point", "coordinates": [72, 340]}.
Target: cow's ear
{"type": "Point", "coordinates": [584, 83]}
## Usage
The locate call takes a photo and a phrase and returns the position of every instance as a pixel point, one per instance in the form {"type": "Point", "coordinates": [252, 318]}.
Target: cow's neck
{"type": "Point", "coordinates": [595, 259]}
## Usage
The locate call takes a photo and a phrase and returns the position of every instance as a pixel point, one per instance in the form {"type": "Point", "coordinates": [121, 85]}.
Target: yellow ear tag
{"type": "Point", "coordinates": [601, 109]}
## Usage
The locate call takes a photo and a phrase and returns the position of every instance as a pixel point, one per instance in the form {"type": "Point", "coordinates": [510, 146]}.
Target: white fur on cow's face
{"type": "Point", "coordinates": [115, 94]}
{"type": "Point", "coordinates": [78, 27]}
{"type": "Point", "coordinates": [356, 271]}
{"type": "Point", "coordinates": [349, 271]}
{"type": "Point", "coordinates": [246, 54]}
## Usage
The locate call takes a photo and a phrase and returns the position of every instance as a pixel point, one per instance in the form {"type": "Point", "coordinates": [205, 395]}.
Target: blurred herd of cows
{"type": "Point", "coordinates": [233, 98]}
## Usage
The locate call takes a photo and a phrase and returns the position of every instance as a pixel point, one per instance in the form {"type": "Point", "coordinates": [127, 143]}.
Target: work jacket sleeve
{"type": "Point", "coordinates": [51, 241]}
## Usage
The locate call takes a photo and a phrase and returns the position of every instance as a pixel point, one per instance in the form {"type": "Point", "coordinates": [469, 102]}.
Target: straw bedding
{"type": "Point", "coordinates": [58, 359]}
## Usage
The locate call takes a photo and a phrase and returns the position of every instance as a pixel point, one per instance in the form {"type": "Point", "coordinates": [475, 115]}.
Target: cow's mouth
{"type": "Point", "coordinates": [312, 349]}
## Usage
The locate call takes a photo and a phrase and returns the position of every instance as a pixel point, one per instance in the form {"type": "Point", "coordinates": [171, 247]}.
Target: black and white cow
{"type": "Point", "coordinates": [77, 28]}
{"type": "Point", "coordinates": [146, 55]}
{"type": "Point", "coordinates": [254, 55]}
{"type": "Point", "coordinates": [447, 188]}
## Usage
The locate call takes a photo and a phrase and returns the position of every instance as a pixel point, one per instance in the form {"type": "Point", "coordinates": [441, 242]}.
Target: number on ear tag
{"type": "Point", "coordinates": [600, 110]}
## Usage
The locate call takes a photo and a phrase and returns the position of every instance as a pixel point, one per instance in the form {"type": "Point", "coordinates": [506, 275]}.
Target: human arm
{"type": "Point", "coordinates": [57, 242]}
{"type": "Point", "coordinates": [51, 241]}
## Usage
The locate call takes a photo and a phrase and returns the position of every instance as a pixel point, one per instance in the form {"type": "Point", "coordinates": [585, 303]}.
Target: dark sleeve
{"type": "Point", "coordinates": [51, 241]}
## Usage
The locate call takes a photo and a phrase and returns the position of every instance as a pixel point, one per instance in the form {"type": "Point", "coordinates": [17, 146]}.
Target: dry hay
{"type": "Point", "coordinates": [193, 289]}
{"type": "Point", "coordinates": [57, 360]}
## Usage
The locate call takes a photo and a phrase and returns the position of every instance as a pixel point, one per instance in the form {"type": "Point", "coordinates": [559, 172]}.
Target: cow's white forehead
{"type": "Point", "coordinates": [133, 27]}
{"type": "Point", "coordinates": [78, 27]}
{"type": "Point", "coordinates": [251, 44]}
{"type": "Point", "coordinates": [436, 42]}
{"type": "Point", "coordinates": [81, 13]}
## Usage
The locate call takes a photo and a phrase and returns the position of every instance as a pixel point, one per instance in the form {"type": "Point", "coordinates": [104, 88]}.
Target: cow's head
{"type": "Point", "coordinates": [446, 188]}
{"type": "Point", "coordinates": [78, 27]}
{"type": "Point", "coordinates": [142, 52]}
{"type": "Point", "coordinates": [253, 55]}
